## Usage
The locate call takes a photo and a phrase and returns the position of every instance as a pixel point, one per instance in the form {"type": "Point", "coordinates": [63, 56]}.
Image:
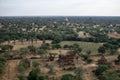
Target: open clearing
{"type": "Point", "coordinates": [86, 46]}
{"type": "Point", "coordinates": [19, 45]}
{"type": "Point", "coordinates": [114, 35]}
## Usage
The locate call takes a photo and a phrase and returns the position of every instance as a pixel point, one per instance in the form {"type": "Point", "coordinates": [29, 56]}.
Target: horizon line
{"type": "Point", "coordinates": [59, 16]}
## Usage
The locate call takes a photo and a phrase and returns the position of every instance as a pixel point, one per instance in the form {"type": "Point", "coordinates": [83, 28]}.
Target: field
{"type": "Point", "coordinates": [86, 46]}
{"type": "Point", "coordinates": [18, 44]}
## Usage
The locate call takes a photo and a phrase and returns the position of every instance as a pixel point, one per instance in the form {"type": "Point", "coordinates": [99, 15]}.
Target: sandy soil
{"type": "Point", "coordinates": [58, 51]}
{"type": "Point", "coordinates": [114, 35]}
{"type": "Point", "coordinates": [83, 34]}
{"type": "Point", "coordinates": [11, 72]}
{"type": "Point", "coordinates": [19, 45]}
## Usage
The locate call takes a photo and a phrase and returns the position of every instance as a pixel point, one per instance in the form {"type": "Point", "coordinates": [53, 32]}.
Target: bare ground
{"type": "Point", "coordinates": [11, 72]}
{"type": "Point", "coordinates": [114, 35]}
{"type": "Point", "coordinates": [19, 45]}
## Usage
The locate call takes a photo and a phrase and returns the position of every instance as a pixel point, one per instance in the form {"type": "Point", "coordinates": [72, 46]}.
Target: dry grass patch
{"type": "Point", "coordinates": [114, 35]}
{"type": "Point", "coordinates": [86, 46]}
{"type": "Point", "coordinates": [19, 45]}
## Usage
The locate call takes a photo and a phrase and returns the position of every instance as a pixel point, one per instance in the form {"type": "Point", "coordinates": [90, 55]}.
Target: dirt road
{"type": "Point", "coordinates": [11, 70]}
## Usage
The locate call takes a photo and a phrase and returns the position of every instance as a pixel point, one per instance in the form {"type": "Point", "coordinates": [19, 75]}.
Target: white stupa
{"type": "Point", "coordinates": [66, 19]}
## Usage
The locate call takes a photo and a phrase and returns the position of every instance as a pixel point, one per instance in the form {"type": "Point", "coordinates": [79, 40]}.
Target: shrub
{"type": "Point", "coordinates": [21, 77]}
{"type": "Point", "coordinates": [100, 69]}
{"type": "Point", "coordinates": [35, 64]}
{"type": "Point", "coordinates": [68, 77]}
{"type": "Point", "coordinates": [2, 64]}
{"type": "Point", "coordinates": [85, 56]}
{"type": "Point", "coordinates": [23, 65]}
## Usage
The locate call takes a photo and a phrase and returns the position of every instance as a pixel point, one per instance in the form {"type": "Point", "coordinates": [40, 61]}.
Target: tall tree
{"type": "Point", "coordinates": [101, 49]}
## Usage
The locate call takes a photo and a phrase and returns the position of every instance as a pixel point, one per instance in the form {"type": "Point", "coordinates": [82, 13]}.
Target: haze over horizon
{"type": "Point", "coordinates": [59, 8]}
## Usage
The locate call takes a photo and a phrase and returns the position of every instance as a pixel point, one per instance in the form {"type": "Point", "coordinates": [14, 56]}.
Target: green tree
{"type": "Point", "coordinates": [23, 65]}
{"type": "Point", "coordinates": [68, 77]}
{"type": "Point", "coordinates": [100, 69]}
{"type": "Point", "coordinates": [101, 50]}
{"type": "Point", "coordinates": [56, 46]}
{"type": "Point", "coordinates": [2, 64]}
{"type": "Point", "coordinates": [113, 51]}
{"type": "Point", "coordinates": [32, 49]}
{"type": "Point", "coordinates": [33, 75]}
{"type": "Point", "coordinates": [21, 77]}
{"type": "Point", "coordinates": [23, 51]}
{"type": "Point", "coordinates": [77, 50]}
{"type": "Point", "coordinates": [85, 56]}
{"type": "Point", "coordinates": [76, 45]}
{"type": "Point", "coordinates": [111, 75]}
{"type": "Point", "coordinates": [1, 40]}
{"type": "Point", "coordinates": [57, 40]}
{"type": "Point", "coordinates": [118, 57]}
{"type": "Point", "coordinates": [66, 46]}
{"type": "Point", "coordinates": [44, 46]}
{"type": "Point", "coordinates": [6, 47]}
{"type": "Point", "coordinates": [35, 64]}
{"type": "Point", "coordinates": [42, 77]}
{"type": "Point", "coordinates": [7, 55]}
{"type": "Point", "coordinates": [40, 51]}
{"type": "Point", "coordinates": [7, 38]}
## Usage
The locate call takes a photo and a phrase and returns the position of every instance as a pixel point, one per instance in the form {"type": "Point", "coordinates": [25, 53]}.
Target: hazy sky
{"type": "Point", "coordinates": [59, 7]}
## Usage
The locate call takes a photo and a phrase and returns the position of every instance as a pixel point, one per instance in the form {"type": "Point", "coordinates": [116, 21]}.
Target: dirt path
{"type": "Point", "coordinates": [88, 74]}
{"type": "Point", "coordinates": [11, 72]}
